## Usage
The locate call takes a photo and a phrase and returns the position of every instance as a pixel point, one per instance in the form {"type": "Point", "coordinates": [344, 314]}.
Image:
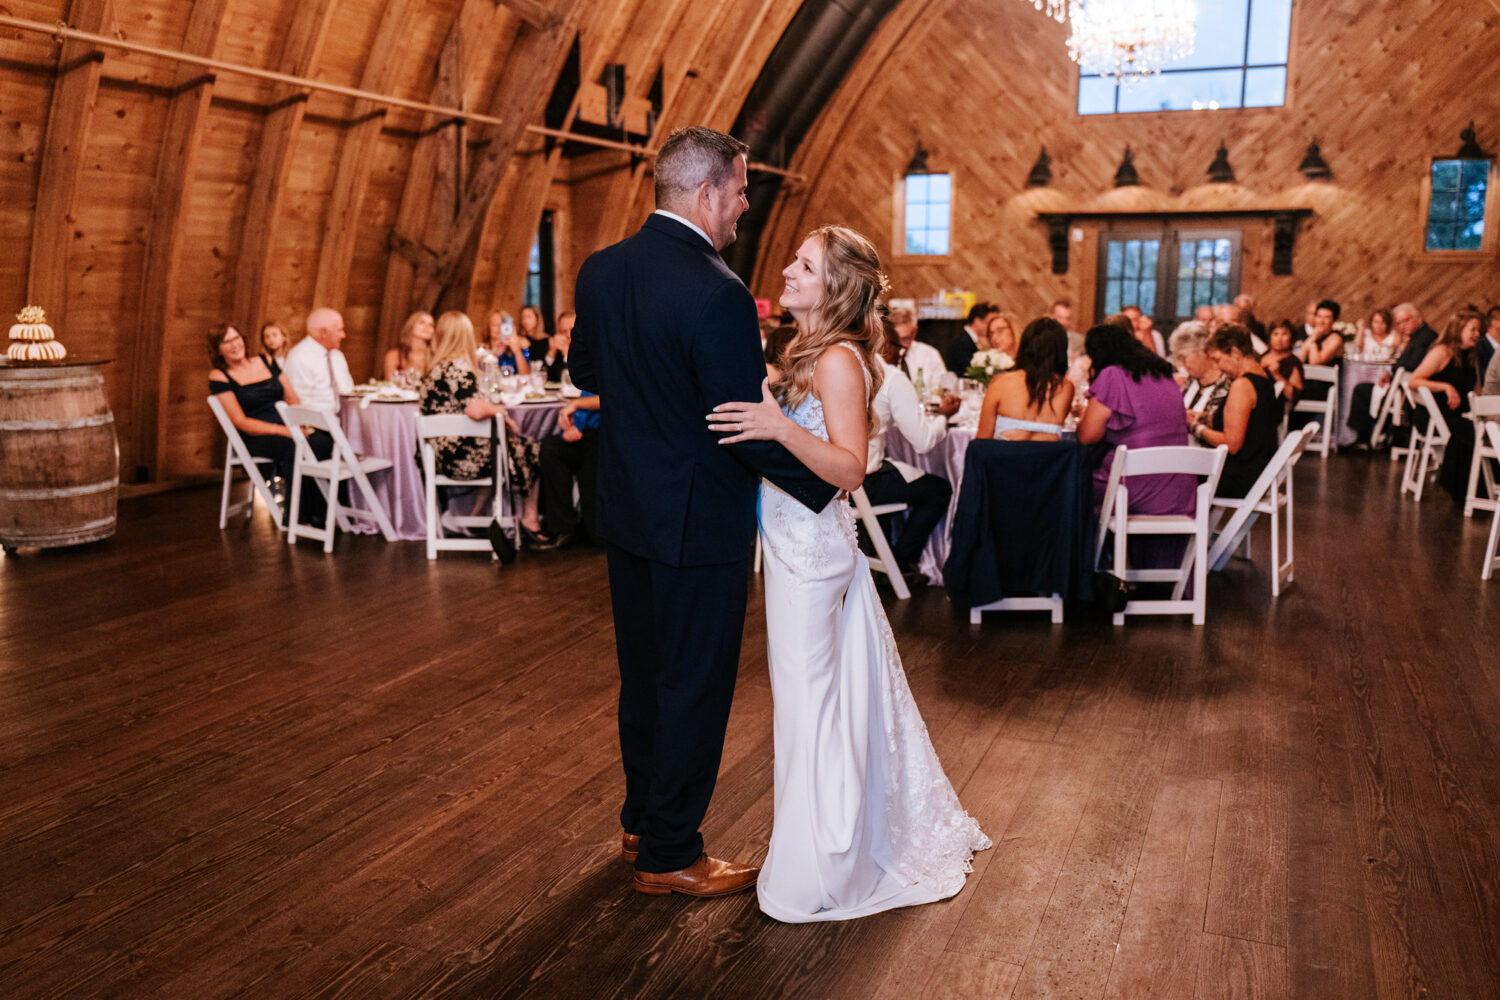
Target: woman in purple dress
{"type": "Point", "coordinates": [1133, 401]}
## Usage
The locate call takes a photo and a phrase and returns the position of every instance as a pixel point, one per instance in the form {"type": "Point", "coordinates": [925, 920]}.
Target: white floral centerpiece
{"type": "Point", "coordinates": [985, 365]}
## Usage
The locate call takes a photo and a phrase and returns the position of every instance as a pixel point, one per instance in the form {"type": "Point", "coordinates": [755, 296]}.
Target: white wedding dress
{"type": "Point", "coordinates": [865, 818]}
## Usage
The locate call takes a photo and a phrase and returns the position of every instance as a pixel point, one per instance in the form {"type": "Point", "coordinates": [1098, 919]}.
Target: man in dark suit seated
{"type": "Point", "coordinates": [665, 333]}
{"type": "Point", "coordinates": [975, 335]}
{"type": "Point", "coordinates": [1419, 339]}
{"type": "Point", "coordinates": [572, 455]}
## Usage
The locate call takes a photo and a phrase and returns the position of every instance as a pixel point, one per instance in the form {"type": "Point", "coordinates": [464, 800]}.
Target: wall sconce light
{"type": "Point", "coordinates": [1313, 166]}
{"type": "Point", "coordinates": [1041, 171]}
{"type": "Point", "coordinates": [918, 162]}
{"type": "Point", "coordinates": [1126, 176]}
{"type": "Point", "coordinates": [1470, 149]}
{"type": "Point", "coordinates": [1219, 171]}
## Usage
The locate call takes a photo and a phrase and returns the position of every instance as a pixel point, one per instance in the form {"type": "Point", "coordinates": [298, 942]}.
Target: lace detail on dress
{"type": "Point", "coordinates": [933, 837]}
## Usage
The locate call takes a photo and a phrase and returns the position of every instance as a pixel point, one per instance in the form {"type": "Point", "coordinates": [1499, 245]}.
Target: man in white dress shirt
{"type": "Point", "coordinates": [316, 367]}
{"type": "Point", "coordinates": [926, 495]}
{"type": "Point", "coordinates": [915, 355]}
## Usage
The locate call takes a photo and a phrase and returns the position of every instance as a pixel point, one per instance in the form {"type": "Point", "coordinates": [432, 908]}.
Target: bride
{"type": "Point", "coordinates": [865, 818]}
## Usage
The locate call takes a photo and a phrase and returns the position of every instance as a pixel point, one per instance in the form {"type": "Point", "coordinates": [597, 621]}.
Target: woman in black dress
{"type": "Point", "coordinates": [1251, 417]}
{"type": "Point", "coordinates": [452, 387]}
{"type": "Point", "coordinates": [1282, 363]}
{"type": "Point", "coordinates": [1451, 370]}
{"type": "Point", "coordinates": [249, 387]}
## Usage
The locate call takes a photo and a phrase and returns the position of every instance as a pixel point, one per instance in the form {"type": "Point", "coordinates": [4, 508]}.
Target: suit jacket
{"type": "Point", "coordinates": [959, 352]}
{"type": "Point", "coordinates": [666, 332]}
{"type": "Point", "coordinates": [1422, 339]}
{"type": "Point", "coordinates": [1486, 355]}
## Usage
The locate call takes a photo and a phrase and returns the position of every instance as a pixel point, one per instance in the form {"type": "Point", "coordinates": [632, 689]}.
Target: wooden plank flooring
{"type": "Point", "coordinates": [233, 769]}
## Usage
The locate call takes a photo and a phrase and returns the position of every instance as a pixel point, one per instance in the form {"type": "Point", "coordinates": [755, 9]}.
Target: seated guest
{"type": "Point", "coordinates": [1002, 334]}
{"type": "Point", "coordinates": [1324, 345]}
{"type": "Point", "coordinates": [407, 361]}
{"type": "Point", "coordinates": [452, 387]}
{"type": "Point", "coordinates": [1378, 340]}
{"type": "Point", "coordinates": [776, 345]}
{"type": "Point", "coordinates": [1144, 328]}
{"type": "Point", "coordinates": [570, 456]}
{"type": "Point", "coordinates": [1204, 315]}
{"type": "Point", "coordinates": [1249, 423]}
{"type": "Point", "coordinates": [316, 367]}
{"type": "Point", "coordinates": [926, 495]}
{"type": "Point", "coordinates": [249, 388]}
{"type": "Point", "coordinates": [1282, 363]}
{"type": "Point", "coordinates": [1062, 311]}
{"type": "Point", "coordinates": [961, 349]}
{"type": "Point", "coordinates": [914, 355]}
{"type": "Point", "coordinates": [1206, 387]}
{"type": "Point", "coordinates": [506, 346]}
{"type": "Point", "coordinates": [1488, 345]}
{"type": "Point", "coordinates": [1030, 402]}
{"type": "Point", "coordinates": [1133, 401]}
{"type": "Point", "coordinates": [1246, 305]}
{"type": "Point", "coordinates": [535, 339]}
{"type": "Point", "coordinates": [1451, 372]}
{"type": "Point", "coordinates": [273, 343]}
{"type": "Point", "coordinates": [555, 358]}
{"type": "Point", "coordinates": [1416, 338]}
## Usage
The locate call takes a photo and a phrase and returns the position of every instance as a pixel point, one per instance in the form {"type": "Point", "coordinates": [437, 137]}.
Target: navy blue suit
{"type": "Point", "coordinates": [665, 333]}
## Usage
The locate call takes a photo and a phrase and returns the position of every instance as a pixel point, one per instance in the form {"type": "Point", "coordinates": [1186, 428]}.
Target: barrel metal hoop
{"type": "Point", "coordinates": [55, 383]}
{"type": "Point", "coordinates": [58, 492]}
{"type": "Point", "coordinates": [96, 420]}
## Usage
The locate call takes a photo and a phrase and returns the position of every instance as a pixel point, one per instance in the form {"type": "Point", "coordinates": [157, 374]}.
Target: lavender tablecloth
{"type": "Point", "coordinates": [946, 459]}
{"type": "Point", "coordinates": [1354, 373]}
{"type": "Point", "coordinates": [389, 430]}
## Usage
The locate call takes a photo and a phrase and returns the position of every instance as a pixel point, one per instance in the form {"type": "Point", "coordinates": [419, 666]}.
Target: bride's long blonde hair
{"type": "Point", "coordinates": [848, 310]}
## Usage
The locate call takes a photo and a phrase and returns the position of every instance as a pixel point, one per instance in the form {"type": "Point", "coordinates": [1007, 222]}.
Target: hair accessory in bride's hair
{"type": "Point", "coordinates": [885, 283]}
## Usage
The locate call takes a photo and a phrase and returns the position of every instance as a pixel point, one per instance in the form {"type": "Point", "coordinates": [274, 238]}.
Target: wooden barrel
{"type": "Point", "coordinates": [59, 461]}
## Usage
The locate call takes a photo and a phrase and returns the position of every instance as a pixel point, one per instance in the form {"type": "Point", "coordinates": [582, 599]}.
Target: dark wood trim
{"type": "Point", "coordinates": [1285, 219]}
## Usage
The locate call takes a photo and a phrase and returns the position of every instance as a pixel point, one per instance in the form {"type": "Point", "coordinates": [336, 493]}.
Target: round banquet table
{"type": "Point", "coordinates": [1352, 374]}
{"type": "Point", "coordinates": [386, 429]}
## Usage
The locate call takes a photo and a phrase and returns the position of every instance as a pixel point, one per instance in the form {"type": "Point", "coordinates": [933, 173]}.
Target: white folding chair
{"type": "Point", "coordinates": [1427, 445]}
{"type": "Point", "coordinates": [451, 425]}
{"type": "Point", "coordinates": [884, 560]}
{"type": "Point", "coordinates": [237, 456]}
{"type": "Point", "coordinates": [1327, 408]}
{"type": "Point", "coordinates": [1390, 412]}
{"type": "Point", "coordinates": [1492, 548]}
{"type": "Point", "coordinates": [1266, 496]}
{"type": "Point", "coordinates": [343, 465]}
{"type": "Point", "coordinates": [1115, 517]}
{"type": "Point", "coordinates": [1482, 410]}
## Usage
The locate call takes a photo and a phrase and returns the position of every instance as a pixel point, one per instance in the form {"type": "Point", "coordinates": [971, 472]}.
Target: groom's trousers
{"type": "Point", "coordinates": [677, 636]}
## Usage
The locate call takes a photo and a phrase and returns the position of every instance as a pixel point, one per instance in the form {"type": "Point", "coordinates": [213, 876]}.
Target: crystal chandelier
{"type": "Point", "coordinates": [1058, 10]}
{"type": "Point", "coordinates": [1128, 39]}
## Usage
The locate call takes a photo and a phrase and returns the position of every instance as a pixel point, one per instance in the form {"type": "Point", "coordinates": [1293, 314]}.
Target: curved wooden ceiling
{"type": "Point", "coordinates": [145, 199]}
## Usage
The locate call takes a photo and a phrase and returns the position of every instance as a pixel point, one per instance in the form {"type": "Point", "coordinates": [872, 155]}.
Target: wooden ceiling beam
{"type": "Point", "coordinates": [68, 120]}
{"type": "Point", "coordinates": [357, 158]}
{"type": "Point", "coordinates": [176, 165]}
{"type": "Point", "coordinates": [522, 91]}
{"type": "Point", "coordinates": [299, 54]}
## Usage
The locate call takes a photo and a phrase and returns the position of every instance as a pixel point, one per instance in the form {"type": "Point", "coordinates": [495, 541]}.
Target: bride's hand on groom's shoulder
{"type": "Point", "coordinates": [762, 421]}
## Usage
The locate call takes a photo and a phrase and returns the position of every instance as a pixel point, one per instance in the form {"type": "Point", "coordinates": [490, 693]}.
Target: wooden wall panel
{"type": "Point", "coordinates": [985, 84]}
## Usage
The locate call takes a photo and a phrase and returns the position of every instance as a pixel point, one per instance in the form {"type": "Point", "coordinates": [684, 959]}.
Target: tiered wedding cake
{"type": "Point", "coordinates": [31, 339]}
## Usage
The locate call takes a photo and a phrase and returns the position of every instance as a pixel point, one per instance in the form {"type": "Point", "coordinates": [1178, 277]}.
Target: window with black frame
{"type": "Point", "coordinates": [1239, 60]}
{"type": "Point", "coordinates": [1455, 206]}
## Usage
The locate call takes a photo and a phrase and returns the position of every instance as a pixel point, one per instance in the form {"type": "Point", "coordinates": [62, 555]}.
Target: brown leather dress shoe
{"type": "Point", "coordinates": [630, 847]}
{"type": "Point", "coordinates": [705, 877]}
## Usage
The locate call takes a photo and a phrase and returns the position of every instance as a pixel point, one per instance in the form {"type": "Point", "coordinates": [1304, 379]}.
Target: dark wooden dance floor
{"type": "Point", "coordinates": [231, 769]}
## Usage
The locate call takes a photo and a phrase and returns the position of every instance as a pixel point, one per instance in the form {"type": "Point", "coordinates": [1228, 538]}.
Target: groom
{"type": "Point", "coordinates": [666, 332]}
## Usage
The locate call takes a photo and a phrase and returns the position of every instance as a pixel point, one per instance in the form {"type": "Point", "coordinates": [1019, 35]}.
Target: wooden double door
{"type": "Point", "coordinates": [1168, 272]}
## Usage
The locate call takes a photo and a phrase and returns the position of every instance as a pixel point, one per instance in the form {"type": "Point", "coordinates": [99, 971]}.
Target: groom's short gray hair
{"type": "Point", "coordinates": [691, 156]}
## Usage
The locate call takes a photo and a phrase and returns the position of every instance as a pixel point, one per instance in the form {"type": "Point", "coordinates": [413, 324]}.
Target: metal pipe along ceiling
{"type": "Point", "coordinates": [813, 56]}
